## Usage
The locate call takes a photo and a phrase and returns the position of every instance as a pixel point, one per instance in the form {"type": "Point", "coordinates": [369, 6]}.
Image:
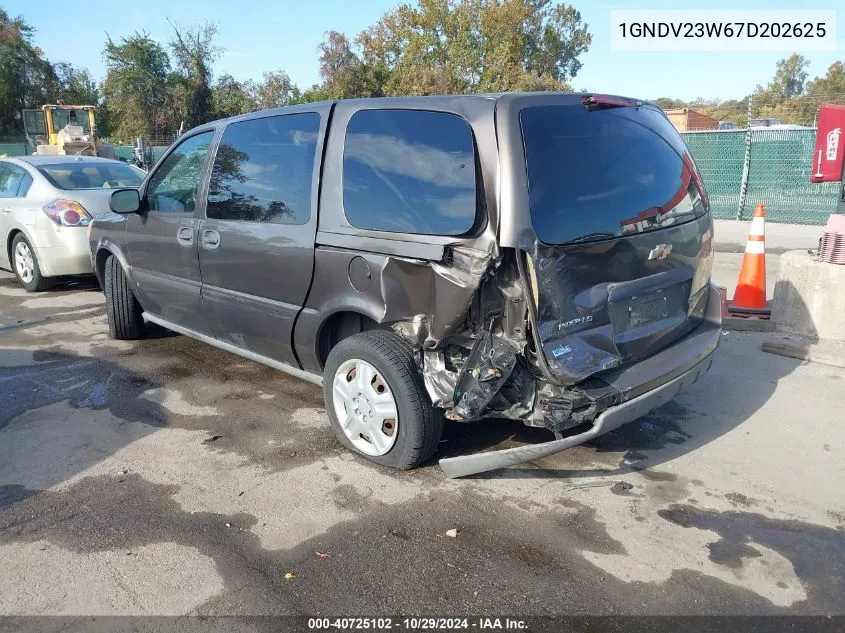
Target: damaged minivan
{"type": "Point", "coordinates": [541, 257]}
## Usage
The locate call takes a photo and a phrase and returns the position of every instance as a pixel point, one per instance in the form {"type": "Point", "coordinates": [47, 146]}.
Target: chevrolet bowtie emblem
{"type": "Point", "coordinates": [661, 251]}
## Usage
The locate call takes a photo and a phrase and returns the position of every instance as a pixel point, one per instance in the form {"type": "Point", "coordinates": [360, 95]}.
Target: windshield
{"type": "Point", "coordinates": [78, 117]}
{"type": "Point", "coordinates": [70, 176]}
{"type": "Point", "coordinates": [33, 123]}
{"type": "Point", "coordinates": [602, 173]}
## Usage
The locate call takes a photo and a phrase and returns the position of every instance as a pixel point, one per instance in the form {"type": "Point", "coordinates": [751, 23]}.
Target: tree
{"type": "Point", "coordinates": [442, 46]}
{"type": "Point", "coordinates": [314, 93]}
{"type": "Point", "coordinates": [230, 97]}
{"type": "Point", "coordinates": [829, 88]}
{"type": "Point", "coordinates": [136, 88]}
{"type": "Point", "coordinates": [340, 68]}
{"type": "Point", "coordinates": [831, 84]}
{"type": "Point", "coordinates": [276, 90]}
{"type": "Point", "coordinates": [27, 79]}
{"type": "Point", "coordinates": [76, 86]}
{"type": "Point", "coordinates": [666, 103]}
{"type": "Point", "coordinates": [790, 76]}
{"type": "Point", "coordinates": [194, 52]}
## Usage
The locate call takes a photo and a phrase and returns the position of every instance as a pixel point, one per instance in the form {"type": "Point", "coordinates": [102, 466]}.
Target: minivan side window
{"type": "Point", "coordinates": [263, 170]}
{"type": "Point", "coordinates": [409, 171]}
{"type": "Point", "coordinates": [173, 186]}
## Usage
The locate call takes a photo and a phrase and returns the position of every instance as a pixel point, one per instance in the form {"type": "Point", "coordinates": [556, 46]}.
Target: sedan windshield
{"type": "Point", "coordinates": [72, 176]}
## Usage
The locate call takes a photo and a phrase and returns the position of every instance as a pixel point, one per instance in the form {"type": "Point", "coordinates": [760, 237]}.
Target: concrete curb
{"type": "Point", "coordinates": [825, 352]}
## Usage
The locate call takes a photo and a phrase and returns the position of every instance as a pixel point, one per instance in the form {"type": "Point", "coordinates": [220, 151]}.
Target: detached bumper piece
{"type": "Point", "coordinates": [609, 420]}
{"type": "Point", "coordinates": [642, 387]}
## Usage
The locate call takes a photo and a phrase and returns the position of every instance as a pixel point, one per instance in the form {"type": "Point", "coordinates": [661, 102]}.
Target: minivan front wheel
{"type": "Point", "coordinates": [377, 403]}
{"type": "Point", "coordinates": [122, 308]}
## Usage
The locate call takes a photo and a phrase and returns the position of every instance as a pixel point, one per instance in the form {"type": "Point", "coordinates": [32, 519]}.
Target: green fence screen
{"type": "Point", "coordinates": [14, 148]}
{"type": "Point", "coordinates": [778, 174]}
{"type": "Point", "coordinates": [719, 158]}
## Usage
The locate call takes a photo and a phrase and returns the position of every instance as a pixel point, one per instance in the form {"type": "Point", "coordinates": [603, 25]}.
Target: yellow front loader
{"type": "Point", "coordinates": [64, 129]}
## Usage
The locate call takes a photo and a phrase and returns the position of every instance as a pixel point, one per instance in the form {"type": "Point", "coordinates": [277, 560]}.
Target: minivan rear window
{"type": "Point", "coordinates": [595, 174]}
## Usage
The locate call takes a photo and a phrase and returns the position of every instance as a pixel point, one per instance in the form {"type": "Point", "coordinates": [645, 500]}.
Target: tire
{"type": "Point", "coordinates": [416, 426]}
{"type": "Point", "coordinates": [25, 264]}
{"type": "Point", "coordinates": [122, 308]}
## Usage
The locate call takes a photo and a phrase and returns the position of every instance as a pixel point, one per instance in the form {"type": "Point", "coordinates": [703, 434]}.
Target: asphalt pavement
{"type": "Point", "coordinates": [165, 477]}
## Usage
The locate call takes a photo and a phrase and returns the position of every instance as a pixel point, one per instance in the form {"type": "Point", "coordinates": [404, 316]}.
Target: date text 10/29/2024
{"type": "Point", "coordinates": [417, 624]}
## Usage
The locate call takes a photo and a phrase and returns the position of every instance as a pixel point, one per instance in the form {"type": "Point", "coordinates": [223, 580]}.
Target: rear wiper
{"type": "Point", "coordinates": [589, 237]}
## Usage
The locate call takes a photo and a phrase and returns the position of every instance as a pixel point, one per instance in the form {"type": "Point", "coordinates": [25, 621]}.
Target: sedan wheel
{"type": "Point", "coordinates": [365, 407]}
{"type": "Point", "coordinates": [24, 263]}
{"type": "Point", "coordinates": [26, 266]}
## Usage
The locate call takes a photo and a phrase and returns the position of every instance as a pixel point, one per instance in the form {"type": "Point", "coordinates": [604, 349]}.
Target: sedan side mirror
{"type": "Point", "coordinates": [125, 201]}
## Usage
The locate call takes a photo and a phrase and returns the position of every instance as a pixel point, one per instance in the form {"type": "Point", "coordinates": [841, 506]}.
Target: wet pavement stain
{"type": "Point", "coordinates": [738, 499]}
{"type": "Point", "coordinates": [264, 432]}
{"type": "Point", "coordinates": [509, 560]}
{"type": "Point", "coordinates": [13, 493]}
{"type": "Point", "coordinates": [622, 488]}
{"type": "Point", "coordinates": [124, 513]}
{"type": "Point", "coordinates": [400, 559]}
{"type": "Point", "coordinates": [589, 534]}
{"type": "Point", "coordinates": [82, 382]}
{"type": "Point", "coordinates": [655, 475]}
{"type": "Point", "coordinates": [816, 552]}
{"type": "Point", "coordinates": [347, 497]}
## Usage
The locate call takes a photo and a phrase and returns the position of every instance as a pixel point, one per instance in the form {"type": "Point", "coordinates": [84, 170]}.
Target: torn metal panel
{"type": "Point", "coordinates": [495, 318]}
{"type": "Point", "coordinates": [439, 381]}
{"type": "Point", "coordinates": [428, 300]}
{"type": "Point", "coordinates": [565, 408]}
{"type": "Point", "coordinates": [486, 371]}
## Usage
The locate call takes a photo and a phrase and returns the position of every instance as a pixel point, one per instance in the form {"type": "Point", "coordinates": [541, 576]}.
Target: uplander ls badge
{"type": "Point", "coordinates": [661, 251]}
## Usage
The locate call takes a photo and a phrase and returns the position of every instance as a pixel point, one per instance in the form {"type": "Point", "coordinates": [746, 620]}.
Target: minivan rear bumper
{"type": "Point", "coordinates": [676, 359]}
{"type": "Point", "coordinates": [611, 419]}
{"type": "Point", "coordinates": [643, 390]}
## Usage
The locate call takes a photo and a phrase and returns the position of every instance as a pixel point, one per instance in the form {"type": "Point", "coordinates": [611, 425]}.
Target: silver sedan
{"type": "Point", "coordinates": [46, 204]}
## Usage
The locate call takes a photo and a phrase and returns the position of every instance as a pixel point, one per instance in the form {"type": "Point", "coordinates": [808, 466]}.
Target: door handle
{"type": "Point", "coordinates": [210, 239]}
{"type": "Point", "coordinates": [7, 209]}
{"type": "Point", "coordinates": [185, 235]}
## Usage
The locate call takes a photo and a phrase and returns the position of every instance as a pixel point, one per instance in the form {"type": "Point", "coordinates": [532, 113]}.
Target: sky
{"type": "Point", "coordinates": [260, 36]}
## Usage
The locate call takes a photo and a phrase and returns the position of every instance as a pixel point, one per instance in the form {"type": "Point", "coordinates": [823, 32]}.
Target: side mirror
{"type": "Point", "coordinates": [125, 201]}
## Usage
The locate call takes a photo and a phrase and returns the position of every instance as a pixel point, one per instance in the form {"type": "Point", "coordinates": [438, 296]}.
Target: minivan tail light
{"type": "Point", "coordinates": [67, 213]}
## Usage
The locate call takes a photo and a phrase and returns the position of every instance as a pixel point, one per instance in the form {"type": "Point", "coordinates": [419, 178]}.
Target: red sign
{"type": "Point", "coordinates": [830, 144]}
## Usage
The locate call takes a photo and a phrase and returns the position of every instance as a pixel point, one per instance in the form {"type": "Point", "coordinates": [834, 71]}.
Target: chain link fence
{"type": "Point", "coordinates": [756, 151]}
{"type": "Point", "coordinates": [779, 165]}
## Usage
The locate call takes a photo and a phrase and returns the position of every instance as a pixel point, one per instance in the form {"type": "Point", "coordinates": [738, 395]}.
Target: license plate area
{"type": "Point", "coordinates": [652, 307]}
{"type": "Point", "coordinates": [641, 310]}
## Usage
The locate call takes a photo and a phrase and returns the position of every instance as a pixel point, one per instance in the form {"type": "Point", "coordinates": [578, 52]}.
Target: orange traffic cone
{"type": "Point", "coordinates": [750, 295]}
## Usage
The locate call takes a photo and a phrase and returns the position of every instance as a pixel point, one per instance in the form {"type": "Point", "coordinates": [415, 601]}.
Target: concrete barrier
{"type": "Point", "coordinates": [809, 297]}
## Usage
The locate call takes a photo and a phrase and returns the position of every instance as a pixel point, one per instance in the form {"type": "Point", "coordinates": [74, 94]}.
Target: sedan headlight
{"type": "Point", "coordinates": [67, 213]}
